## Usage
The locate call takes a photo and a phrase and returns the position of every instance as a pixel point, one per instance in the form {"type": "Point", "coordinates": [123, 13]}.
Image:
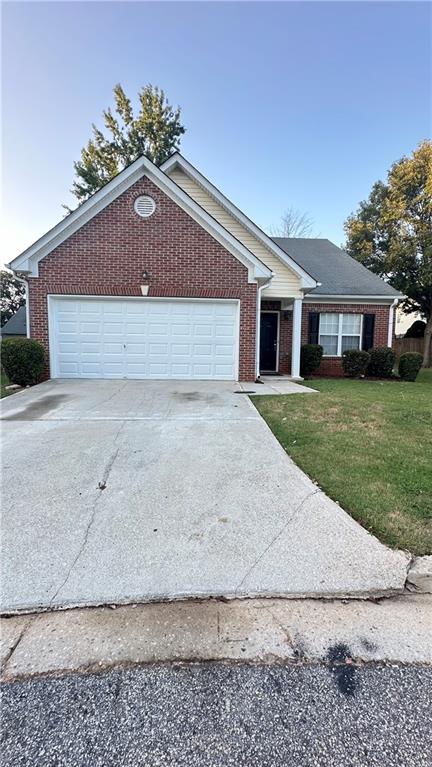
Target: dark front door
{"type": "Point", "coordinates": [268, 342]}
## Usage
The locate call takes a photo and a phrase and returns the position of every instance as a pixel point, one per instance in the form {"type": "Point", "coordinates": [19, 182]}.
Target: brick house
{"type": "Point", "coordinates": [158, 275]}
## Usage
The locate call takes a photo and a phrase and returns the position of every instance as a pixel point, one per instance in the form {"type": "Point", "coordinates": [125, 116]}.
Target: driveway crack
{"type": "Point", "coordinates": [115, 393]}
{"type": "Point", "coordinates": [277, 536]}
{"type": "Point", "coordinates": [101, 486]}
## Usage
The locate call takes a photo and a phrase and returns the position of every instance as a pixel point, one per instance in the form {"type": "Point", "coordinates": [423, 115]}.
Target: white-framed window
{"type": "Point", "coordinates": [339, 332]}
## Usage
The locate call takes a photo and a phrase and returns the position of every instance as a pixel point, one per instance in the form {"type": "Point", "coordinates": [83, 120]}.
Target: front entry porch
{"type": "Point", "coordinates": [279, 337]}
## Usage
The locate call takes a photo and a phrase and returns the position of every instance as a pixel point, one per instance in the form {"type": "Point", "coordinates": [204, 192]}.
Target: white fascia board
{"type": "Point", "coordinates": [307, 281]}
{"type": "Point", "coordinates": [257, 269]}
{"type": "Point", "coordinates": [335, 299]}
{"type": "Point", "coordinates": [29, 259]}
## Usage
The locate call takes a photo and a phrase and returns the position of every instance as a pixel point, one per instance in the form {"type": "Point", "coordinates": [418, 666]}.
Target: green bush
{"type": "Point", "coordinates": [355, 362]}
{"type": "Point", "coordinates": [409, 365]}
{"type": "Point", "coordinates": [310, 358]}
{"type": "Point", "coordinates": [23, 360]}
{"type": "Point", "coordinates": [382, 360]}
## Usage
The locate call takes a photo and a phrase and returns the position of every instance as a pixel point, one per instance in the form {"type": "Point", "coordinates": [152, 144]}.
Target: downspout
{"type": "Point", "coordinates": [391, 322]}
{"type": "Point", "coordinates": [258, 326]}
{"type": "Point", "coordinates": [25, 283]}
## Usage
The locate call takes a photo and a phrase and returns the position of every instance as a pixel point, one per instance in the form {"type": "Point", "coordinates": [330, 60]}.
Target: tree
{"type": "Point", "coordinates": [293, 224]}
{"type": "Point", "coordinates": [12, 295]}
{"type": "Point", "coordinates": [416, 330]}
{"type": "Point", "coordinates": [155, 132]}
{"type": "Point", "coordinates": [391, 233]}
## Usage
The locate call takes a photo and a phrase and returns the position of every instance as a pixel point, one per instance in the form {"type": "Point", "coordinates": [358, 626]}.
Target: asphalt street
{"type": "Point", "coordinates": [217, 715]}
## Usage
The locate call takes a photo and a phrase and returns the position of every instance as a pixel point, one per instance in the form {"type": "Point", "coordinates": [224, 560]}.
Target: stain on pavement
{"type": "Point", "coordinates": [35, 410]}
{"type": "Point", "coordinates": [341, 666]}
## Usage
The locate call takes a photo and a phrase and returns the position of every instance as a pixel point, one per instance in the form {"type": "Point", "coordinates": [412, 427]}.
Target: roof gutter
{"type": "Point", "coordinates": [336, 296]}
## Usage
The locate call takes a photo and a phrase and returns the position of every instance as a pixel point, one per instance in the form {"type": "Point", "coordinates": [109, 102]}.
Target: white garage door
{"type": "Point", "coordinates": [143, 338]}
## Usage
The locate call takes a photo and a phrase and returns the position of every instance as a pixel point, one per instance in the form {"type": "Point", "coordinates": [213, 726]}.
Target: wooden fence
{"type": "Point", "coordinates": [402, 345]}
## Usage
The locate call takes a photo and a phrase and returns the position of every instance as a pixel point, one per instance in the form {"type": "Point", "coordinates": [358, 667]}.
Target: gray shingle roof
{"type": "Point", "coordinates": [339, 274]}
{"type": "Point", "coordinates": [16, 326]}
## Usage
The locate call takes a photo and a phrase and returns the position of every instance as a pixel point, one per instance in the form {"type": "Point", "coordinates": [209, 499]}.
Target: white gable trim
{"type": "Point", "coordinates": [177, 160]}
{"type": "Point", "coordinates": [28, 260]}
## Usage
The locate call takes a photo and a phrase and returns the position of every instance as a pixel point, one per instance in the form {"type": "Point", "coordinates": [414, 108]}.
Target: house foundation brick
{"type": "Point", "coordinates": [108, 255]}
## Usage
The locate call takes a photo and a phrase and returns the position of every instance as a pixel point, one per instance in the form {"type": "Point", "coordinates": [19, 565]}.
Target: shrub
{"type": "Point", "coordinates": [355, 362]}
{"type": "Point", "coordinates": [409, 365]}
{"type": "Point", "coordinates": [23, 360]}
{"type": "Point", "coordinates": [310, 358]}
{"type": "Point", "coordinates": [381, 362]}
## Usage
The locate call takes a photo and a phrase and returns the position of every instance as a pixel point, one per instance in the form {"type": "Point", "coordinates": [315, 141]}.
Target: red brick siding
{"type": "Point", "coordinates": [108, 255]}
{"type": "Point", "coordinates": [330, 366]}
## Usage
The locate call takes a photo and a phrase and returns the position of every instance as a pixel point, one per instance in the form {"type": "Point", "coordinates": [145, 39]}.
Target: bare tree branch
{"type": "Point", "coordinates": [294, 223]}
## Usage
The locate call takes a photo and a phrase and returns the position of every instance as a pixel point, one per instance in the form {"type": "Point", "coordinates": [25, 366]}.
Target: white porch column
{"type": "Point", "coordinates": [296, 338]}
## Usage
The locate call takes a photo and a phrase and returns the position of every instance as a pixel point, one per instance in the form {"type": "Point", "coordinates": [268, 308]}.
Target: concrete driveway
{"type": "Point", "coordinates": [123, 491]}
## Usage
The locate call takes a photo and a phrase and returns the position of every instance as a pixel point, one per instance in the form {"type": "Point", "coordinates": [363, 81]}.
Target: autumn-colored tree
{"type": "Point", "coordinates": [391, 233]}
{"type": "Point", "coordinates": [155, 132]}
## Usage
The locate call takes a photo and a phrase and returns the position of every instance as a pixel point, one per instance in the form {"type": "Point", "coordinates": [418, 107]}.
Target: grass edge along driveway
{"type": "Point", "coordinates": [368, 444]}
{"type": "Point", "coordinates": [4, 381]}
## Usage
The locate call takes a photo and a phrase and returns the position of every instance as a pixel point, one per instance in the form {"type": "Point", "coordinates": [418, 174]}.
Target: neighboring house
{"type": "Point", "coordinates": [158, 275]}
{"type": "Point", "coordinates": [404, 321]}
{"type": "Point", "coordinates": [16, 325]}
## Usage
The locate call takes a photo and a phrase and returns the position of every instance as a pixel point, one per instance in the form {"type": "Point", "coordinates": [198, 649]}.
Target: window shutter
{"type": "Point", "coordinates": [368, 332]}
{"type": "Point", "coordinates": [313, 327]}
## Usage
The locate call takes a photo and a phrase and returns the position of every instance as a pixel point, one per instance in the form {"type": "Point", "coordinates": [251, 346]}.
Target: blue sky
{"type": "Point", "coordinates": [285, 104]}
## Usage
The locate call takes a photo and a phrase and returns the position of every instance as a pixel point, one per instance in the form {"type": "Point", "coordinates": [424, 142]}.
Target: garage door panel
{"type": "Point", "coordinates": [129, 338]}
{"type": "Point", "coordinates": [180, 370]}
{"type": "Point", "coordinates": [140, 348]}
{"type": "Point", "coordinates": [180, 349]}
{"type": "Point", "coordinates": [202, 370]}
{"type": "Point", "coordinates": [108, 347]}
{"type": "Point", "coordinates": [69, 367]}
{"type": "Point", "coordinates": [68, 327]}
{"type": "Point", "coordinates": [222, 370]}
{"type": "Point", "coordinates": [205, 331]}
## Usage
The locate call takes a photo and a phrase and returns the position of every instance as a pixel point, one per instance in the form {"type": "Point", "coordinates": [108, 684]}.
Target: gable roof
{"type": "Point", "coordinates": [338, 273]}
{"type": "Point", "coordinates": [17, 324]}
{"type": "Point", "coordinates": [177, 160]}
{"type": "Point", "coordinates": [29, 259]}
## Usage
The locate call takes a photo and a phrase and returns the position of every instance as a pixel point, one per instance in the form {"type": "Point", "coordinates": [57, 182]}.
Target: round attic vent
{"type": "Point", "coordinates": [145, 206]}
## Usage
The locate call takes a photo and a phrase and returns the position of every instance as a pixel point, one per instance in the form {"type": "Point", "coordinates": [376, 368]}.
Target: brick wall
{"type": "Point", "coordinates": [108, 255]}
{"type": "Point", "coordinates": [330, 366]}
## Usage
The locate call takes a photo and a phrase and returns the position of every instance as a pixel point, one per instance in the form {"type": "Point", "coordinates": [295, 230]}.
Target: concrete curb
{"type": "Point", "coordinates": [419, 578]}
{"type": "Point", "coordinates": [254, 631]}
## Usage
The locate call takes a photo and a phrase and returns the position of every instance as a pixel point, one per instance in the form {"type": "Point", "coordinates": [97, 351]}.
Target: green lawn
{"type": "Point", "coordinates": [369, 446]}
{"type": "Point", "coordinates": [4, 381]}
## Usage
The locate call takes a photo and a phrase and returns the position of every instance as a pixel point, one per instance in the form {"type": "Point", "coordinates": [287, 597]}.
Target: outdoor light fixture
{"type": "Point", "coordinates": [146, 275]}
